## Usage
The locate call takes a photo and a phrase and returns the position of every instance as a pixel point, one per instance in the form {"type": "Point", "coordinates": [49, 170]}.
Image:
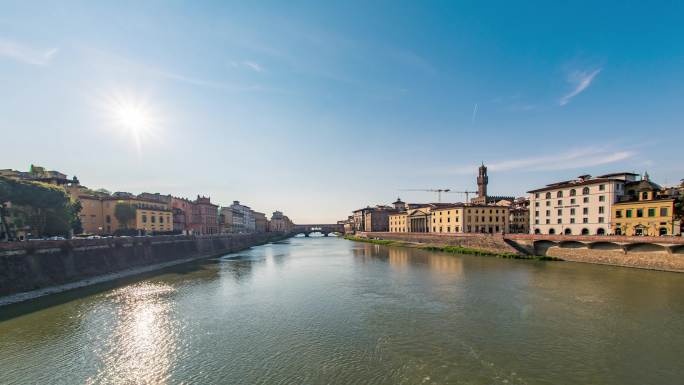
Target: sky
{"type": "Point", "coordinates": [319, 108]}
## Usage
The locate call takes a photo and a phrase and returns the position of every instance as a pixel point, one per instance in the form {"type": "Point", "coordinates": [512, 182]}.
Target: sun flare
{"type": "Point", "coordinates": [130, 115]}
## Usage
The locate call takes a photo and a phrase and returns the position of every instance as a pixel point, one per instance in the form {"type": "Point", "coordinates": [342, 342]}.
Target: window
{"type": "Point", "coordinates": [663, 211]}
{"type": "Point", "coordinates": [559, 221]}
{"type": "Point", "coordinates": [640, 213]}
{"type": "Point", "coordinates": [448, 229]}
{"type": "Point", "coordinates": [600, 219]}
{"type": "Point", "coordinates": [548, 213]}
{"type": "Point", "coordinates": [602, 187]}
{"type": "Point", "coordinates": [618, 214]}
{"type": "Point", "coordinates": [536, 213]}
{"type": "Point", "coordinates": [144, 218]}
{"type": "Point", "coordinates": [651, 212]}
{"type": "Point", "coordinates": [536, 204]}
{"type": "Point", "coordinates": [629, 213]}
{"type": "Point", "coordinates": [585, 200]}
{"type": "Point", "coordinates": [572, 220]}
{"type": "Point", "coordinates": [572, 211]}
{"type": "Point", "coordinates": [536, 195]}
{"type": "Point", "coordinates": [585, 220]}
{"type": "Point", "coordinates": [548, 221]}
{"type": "Point", "coordinates": [585, 191]}
{"type": "Point", "coordinates": [153, 218]}
{"type": "Point", "coordinates": [548, 203]}
{"type": "Point", "coordinates": [536, 221]}
{"type": "Point", "coordinates": [602, 198]}
{"type": "Point", "coordinates": [602, 210]}
{"type": "Point", "coordinates": [585, 211]}
{"type": "Point", "coordinates": [572, 201]}
{"type": "Point", "coordinates": [559, 194]}
{"type": "Point", "coordinates": [560, 202]}
{"type": "Point", "coordinates": [548, 195]}
{"type": "Point", "coordinates": [560, 212]}
{"type": "Point", "coordinates": [108, 219]}
{"type": "Point", "coordinates": [573, 192]}
{"type": "Point", "coordinates": [161, 219]}
{"type": "Point", "coordinates": [644, 195]}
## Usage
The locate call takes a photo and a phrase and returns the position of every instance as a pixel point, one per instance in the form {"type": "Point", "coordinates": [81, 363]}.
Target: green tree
{"type": "Point", "coordinates": [46, 208]}
{"type": "Point", "coordinates": [124, 213]}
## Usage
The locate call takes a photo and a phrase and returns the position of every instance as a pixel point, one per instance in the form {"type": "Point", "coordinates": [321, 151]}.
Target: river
{"type": "Point", "coordinates": [331, 311]}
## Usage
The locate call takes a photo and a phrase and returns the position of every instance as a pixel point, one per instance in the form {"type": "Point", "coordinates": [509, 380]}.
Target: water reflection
{"type": "Point", "coordinates": [142, 347]}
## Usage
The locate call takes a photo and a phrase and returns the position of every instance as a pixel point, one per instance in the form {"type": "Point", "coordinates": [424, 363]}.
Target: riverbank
{"type": "Point", "coordinates": [450, 249]}
{"type": "Point", "coordinates": [30, 270]}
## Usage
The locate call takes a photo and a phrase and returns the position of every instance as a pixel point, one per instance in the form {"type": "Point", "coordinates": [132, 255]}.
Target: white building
{"type": "Point", "coordinates": [577, 207]}
{"type": "Point", "coordinates": [238, 218]}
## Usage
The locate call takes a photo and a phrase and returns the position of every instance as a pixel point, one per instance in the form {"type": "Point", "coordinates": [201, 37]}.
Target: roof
{"type": "Point", "coordinates": [617, 174]}
{"type": "Point", "coordinates": [574, 183]}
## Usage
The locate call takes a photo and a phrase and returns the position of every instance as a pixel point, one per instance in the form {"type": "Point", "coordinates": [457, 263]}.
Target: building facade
{"type": "Point", "coordinates": [577, 207]}
{"type": "Point", "coordinates": [280, 223]}
{"type": "Point", "coordinates": [260, 222]}
{"type": "Point", "coordinates": [644, 210]}
{"type": "Point", "coordinates": [204, 217]}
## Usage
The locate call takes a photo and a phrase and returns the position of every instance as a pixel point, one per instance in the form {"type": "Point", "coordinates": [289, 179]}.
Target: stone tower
{"type": "Point", "coordinates": [482, 180]}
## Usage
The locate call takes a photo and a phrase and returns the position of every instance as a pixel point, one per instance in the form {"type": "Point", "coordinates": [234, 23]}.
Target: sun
{"type": "Point", "coordinates": [131, 115]}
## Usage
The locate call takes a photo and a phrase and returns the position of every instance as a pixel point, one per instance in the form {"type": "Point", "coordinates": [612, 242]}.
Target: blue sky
{"type": "Point", "coordinates": [318, 108]}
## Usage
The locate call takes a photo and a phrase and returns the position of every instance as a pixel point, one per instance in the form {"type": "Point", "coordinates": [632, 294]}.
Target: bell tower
{"type": "Point", "coordinates": [482, 181]}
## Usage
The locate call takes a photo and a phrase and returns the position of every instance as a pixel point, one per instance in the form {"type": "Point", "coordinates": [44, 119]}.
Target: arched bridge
{"type": "Point", "coordinates": [539, 244]}
{"type": "Point", "coordinates": [324, 229]}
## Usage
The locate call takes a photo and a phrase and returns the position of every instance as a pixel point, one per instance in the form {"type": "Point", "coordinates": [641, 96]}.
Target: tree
{"type": "Point", "coordinates": [124, 213]}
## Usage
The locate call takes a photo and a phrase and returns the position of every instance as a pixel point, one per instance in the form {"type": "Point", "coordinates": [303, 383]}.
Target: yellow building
{"type": "Point", "coordinates": [642, 211]}
{"type": "Point", "coordinates": [91, 215]}
{"type": "Point", "coordinates": [150, 216]}
{"type": "Point", "coordinates": [486, 219]}
{"type": "Point", "coordinates": [447, 219]}
{"type": "Point", "coordinates": [397, 222]}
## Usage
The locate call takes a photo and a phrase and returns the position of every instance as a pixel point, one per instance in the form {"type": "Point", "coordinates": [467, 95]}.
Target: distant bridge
{"type": "Point", "coordinates": [324, 229]}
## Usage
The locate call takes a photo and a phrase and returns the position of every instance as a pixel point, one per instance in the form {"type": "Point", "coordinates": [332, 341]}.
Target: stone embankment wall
{"type": "Point", "coordinates": [32, 265]}
{"type": "Point", "coordinates": [656, 253]}
{"type": "Point", "coordinates": [492, 243]}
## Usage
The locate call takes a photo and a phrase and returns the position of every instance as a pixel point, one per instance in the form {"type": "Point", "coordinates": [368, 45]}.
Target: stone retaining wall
{"type": "Point", "coordinates": [493, 243]}
{"type": "Point", "coordinates": [32, 265]}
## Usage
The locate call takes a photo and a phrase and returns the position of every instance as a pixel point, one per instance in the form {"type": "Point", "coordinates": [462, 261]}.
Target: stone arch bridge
{"type": "Point", "coordinates": [324, 229]}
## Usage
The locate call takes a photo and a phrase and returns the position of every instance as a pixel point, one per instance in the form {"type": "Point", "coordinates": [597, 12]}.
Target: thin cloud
{"type": "Point", "coordinates": [254, 66]}
{"type": "Point", "coordinates": [581, 81]}
{"type": "Point", "coordinates": [577, 159]}
{"type": "Point", "coordinates": [25, 54]}
{"type": "Point", "coordinates": [472, 120]}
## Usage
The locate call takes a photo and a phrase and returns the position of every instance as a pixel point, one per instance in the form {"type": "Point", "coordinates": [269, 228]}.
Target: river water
{"type": "Point", "coordinates": [332, 311]}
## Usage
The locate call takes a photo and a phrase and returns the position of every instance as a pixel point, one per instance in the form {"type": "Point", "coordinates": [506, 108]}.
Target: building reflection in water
{"type": "Point", "coordinates": [142, 348]}
{"type": "Point", "coordinates": [402, 258]}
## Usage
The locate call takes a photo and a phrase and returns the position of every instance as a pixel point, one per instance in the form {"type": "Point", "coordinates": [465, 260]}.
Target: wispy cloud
{"type": "Point", "coordinates": [575, 159]}
{"type": "Point", "coordinates": [472, 120]}
{"type": "Point", "coordinates": [248, 64]}
{"type": "Point", "coordinates": [26, 54]}
{"type": "Point", "coordinates": [581, 80]}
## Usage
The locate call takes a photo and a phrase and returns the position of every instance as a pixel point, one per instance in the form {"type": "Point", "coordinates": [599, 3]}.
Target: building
{"type": "Point", "coordinates": [482, 197]}
{"type": "Point", "coordinates": [360, 219]}
{"type": "Point", "coordinates": [448, 219]}
{"type": "Point", "coordinates": [488, 219]}
{"type": "Point", "coordinates": [398, 222]}
{"type": "Point", "coordinates": [260, 222]}
{"type": "Point", "coordinates": [280, 222]}
{"type": "Point", "coordinates": [204, 217]}
{"type": "Point", "coordinates": [645, 210]}
{"type": "Point", "coordinates": [148, 216]}
{"type": "Point", "coordinates": [519, 219]}
{"type": "Point", "coordinates": [238, 218]}
{"type": "Point", "coordinates": [377, 218]}
{"type": "Point", "coordinates": [582, 206]}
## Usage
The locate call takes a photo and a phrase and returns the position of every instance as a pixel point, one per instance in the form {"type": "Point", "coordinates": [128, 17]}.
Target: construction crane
{"type": "Point", "coordinates": [467, 194]}
{"type": "Point", "coordinates": [439, 192]}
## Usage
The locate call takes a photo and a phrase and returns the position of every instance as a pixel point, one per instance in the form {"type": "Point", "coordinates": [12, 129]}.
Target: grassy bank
{"type": "Point", "coordinates": [450, 249]}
